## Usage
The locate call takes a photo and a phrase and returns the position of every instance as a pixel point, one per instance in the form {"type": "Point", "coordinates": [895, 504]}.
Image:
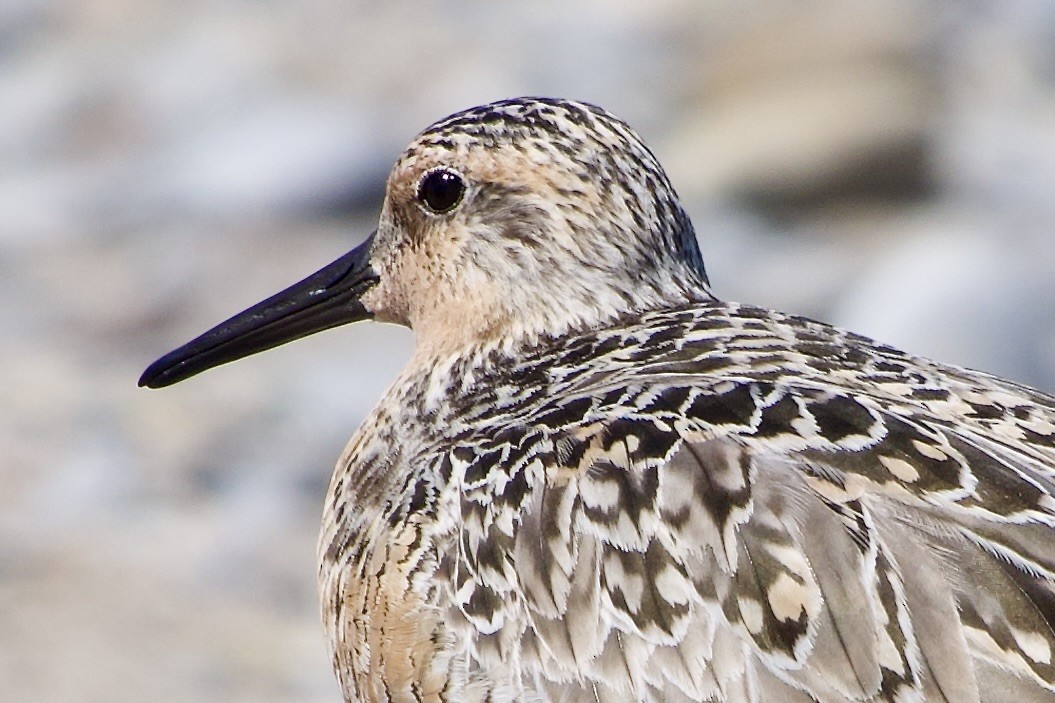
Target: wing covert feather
{"type": "Point", "coordinates": [752, 541]}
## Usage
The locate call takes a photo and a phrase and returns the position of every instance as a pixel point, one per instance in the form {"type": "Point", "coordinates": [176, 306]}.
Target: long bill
{"type": "Point", "coordinates": [328, 298]}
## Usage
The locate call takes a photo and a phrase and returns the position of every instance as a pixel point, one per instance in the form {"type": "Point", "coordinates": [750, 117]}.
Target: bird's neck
{"type": "Point", "coordinates": [473, 329]}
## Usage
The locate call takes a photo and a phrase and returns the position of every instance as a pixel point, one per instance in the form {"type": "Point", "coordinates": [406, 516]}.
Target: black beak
{"type": "Point", "coordinates": [328, 298]}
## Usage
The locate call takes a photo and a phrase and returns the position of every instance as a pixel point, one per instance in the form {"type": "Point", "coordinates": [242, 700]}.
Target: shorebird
{"type": "Point", "coordinates": [596, 481]}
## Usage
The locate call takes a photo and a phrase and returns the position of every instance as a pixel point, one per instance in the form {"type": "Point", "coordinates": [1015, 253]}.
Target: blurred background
{"type": "Point", "coordinates": [889, 167]}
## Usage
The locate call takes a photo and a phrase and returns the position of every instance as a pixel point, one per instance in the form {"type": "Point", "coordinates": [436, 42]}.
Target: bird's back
{"type": "Point", "coordinates": [714, 502]}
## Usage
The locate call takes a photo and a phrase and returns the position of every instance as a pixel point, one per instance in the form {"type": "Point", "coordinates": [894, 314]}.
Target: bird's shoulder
{"type": "Point", "coordinates": [852, 414]}
{"type": "Point", "coordinates": [733, 368]}
{"type": "Point", "coordinates": [723, 480]}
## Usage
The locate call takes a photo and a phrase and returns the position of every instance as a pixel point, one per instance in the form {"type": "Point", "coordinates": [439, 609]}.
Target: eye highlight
{"type": "Point", "coordinates": [440, 190]}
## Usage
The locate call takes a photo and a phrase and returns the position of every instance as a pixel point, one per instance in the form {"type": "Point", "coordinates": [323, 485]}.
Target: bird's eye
{"type": "Point", "coordinates": [440, 190]}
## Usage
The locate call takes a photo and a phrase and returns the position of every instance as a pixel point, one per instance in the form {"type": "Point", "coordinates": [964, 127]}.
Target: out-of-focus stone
{"type": "Point", "coordinates": [812, 104]}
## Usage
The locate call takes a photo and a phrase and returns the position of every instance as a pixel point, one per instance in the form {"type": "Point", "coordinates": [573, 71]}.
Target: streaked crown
{"type": "Point", "coordinates": [529, 215]}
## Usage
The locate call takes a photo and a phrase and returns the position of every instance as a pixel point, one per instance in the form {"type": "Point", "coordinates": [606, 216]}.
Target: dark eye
{"type": "Point", "coordinates": [441, 190]}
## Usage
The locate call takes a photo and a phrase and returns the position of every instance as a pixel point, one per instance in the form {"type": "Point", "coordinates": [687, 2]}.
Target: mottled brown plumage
{"type": "Point", "coordinates": [596, 482]}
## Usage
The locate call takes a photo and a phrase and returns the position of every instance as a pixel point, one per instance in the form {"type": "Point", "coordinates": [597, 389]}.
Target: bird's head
{"type": "Point", "coordinates": [510, 220]}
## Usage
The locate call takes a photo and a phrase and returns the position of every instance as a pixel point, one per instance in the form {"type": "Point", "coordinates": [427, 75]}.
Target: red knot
{"type": "Point", "coordinates": [597, 482]}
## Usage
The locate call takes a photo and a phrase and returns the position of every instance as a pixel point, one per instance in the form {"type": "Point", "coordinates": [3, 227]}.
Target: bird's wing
{"type": "Point", "coordinates": [746, 540]}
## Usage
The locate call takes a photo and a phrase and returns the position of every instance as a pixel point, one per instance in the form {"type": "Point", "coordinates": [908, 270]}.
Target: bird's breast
{"type": "Point", "coordinates": [383, 531]}
{"type": "Point", "coordinates": [384, 631]}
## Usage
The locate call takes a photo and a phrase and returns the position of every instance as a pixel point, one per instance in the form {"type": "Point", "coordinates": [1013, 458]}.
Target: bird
{"type": "Point", "coordinates": [596, 481]}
